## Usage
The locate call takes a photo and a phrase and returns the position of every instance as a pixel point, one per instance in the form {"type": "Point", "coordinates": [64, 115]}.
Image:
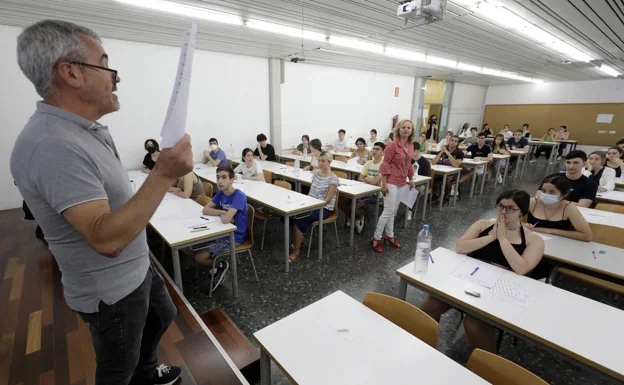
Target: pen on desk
{"type": "Point", "coordinates": [201, 227]}
{"type": "Point", "coordinates": [474, 271]}
{"type": "Point", "coordinates": [431, 258]}
{"type": "Point", "coordinates": [594, 253]}
{"type": "Point", "coordinates": [198, 230]}
{"type": "Point", "coordinates": [205, 218]}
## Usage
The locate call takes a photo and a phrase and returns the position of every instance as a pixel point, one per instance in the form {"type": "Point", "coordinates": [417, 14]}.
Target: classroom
{"type": "Point", "coordinates": [312, 192]}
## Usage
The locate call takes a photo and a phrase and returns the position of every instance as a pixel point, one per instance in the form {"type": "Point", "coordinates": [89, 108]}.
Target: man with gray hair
{"type": "Point", "coordinates": [68, 171]}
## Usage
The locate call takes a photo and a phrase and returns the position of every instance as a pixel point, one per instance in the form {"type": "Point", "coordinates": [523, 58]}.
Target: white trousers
{"type": "Point", "coordinates": [391, 204]}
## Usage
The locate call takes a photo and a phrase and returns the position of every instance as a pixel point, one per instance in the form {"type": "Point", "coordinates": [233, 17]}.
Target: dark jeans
{"type": "Point", "coordinates": [562, 147]}
{"type": "Point", "coordinates": [126, 334]}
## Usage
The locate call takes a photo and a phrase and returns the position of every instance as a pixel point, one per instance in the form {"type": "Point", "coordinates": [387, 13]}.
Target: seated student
{"type": "Point", "coordinates": [479, 151]}
{"type": "Point", "coordinates": [620, 144]}
{"type": "Point", "coordinates": [473, 138]}
{"type": "Point", "coordinates": [324, 186]}
{"type": "Point", "coordinates": [583, 192]}
{"type": "Point", "coordinates": [391, 138]}
{"type": "Point", "coordinates": [518, 143]}
{"type": "Point", "coordinates": [188, 186]}
{"type": "Point", "coordinates": [562, 134]}
{"type": "Point", "coordinates": [549, 137]}
{"type": "Point", "coordinates": [264, 150]}
{"type": "Point", "coordinates": [315, 149]}
{"type": "Point", "coordinates": [498, 147]}
{"type": "Point", "coordinates": [373, 136]}
{"type": "Point", "coordinates": [361, 152]}
{"type": "Point", "coordinates": [464, 131]}
{"type": "Point", "coordinates": [369, 175]}
{"type": "Point", "coordinates": [503, 242]}
{"type": "Point", "coordinates": [486, 129]}
{"type": "Point", "coordinates": [614, 161]}
{"type": "Point", "coordinates": [525, 131]}
{"type": "Point", "coordinates": [305, 145]}
{"type": "Point", "coordinates": [151, 146]}
{"type": "Point", "coordinates": [449, 155]}
{"type": "Point", "coordinates": [423, 143]}
{"type": "Point", "coordinates": [341, 143]}
{"type": "Point", "coordinates": [249, 167]}
{"type": "Point", "coordinates": [596, 171]}
{"type": "Point", "coordinates": [445, 141]}
{"type": "Point", "coordinates": [230, 204]}
{"type": "Point", "coordinates": [215, 156]}
{"type": "Point", "coordinates": [421, 166]}
{"type": "Point", "coordinates": [553, 214]}
{"type": "Point", "coordinates": [506, 132]}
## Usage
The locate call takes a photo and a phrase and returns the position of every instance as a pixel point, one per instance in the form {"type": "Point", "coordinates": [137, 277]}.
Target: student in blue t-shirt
{"type": "Point", "coordinates": [517, 143]}
{"type": "Point", "coordinates": [215, 156]}
{"type": "Point", "coordinates": [231, 205]}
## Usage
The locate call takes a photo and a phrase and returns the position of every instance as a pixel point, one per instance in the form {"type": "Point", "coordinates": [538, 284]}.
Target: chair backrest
{"type": "Point", "coordinates": [207, 188]}
{"type": "Point", "coordinates": [610, 207]}
{"type": "Point", "coordinates": [268, 176]}
{"type": "Point", "coordinates": [282, 184]}
{"type": "Point", "coordinates": [251, 213]}
{"type": "Point", "coordinates": [203, 200]}
{"type": "Point", "coordinates": [229, 162]}
{"type": "Point", "coordinates": [291, 164]}
{"type": "Point", "coordinates": [334, 214]}
{"type": "Point", "coordinates": [608, 235]}
{"type": "Point", "coordinates": [500, 371]}
{"type": "Point", "coordinates": [340, 158]}
{"type": "Point", "coordinates": [431, 181]}
{"type": "Point", "coordinates": [277, 158]}
{"type": "Point", "coordinates": [405, 315]}
{"type": "Point", "coordinates": [341, 174]}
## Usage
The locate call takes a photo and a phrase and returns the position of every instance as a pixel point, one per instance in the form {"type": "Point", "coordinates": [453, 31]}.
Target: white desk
{"type": "Point", "coordinates": [285, 202]}
{"type": "Point", "coordinates": [344, 153]}
{"type": "Point", "coordinates": [533, 146]}
{"type": "Point", "coordinates": [499, 157]}
{"type": "Point", "coordinates": [572, 144]}
{"type": "Point", "coordinates": [616, 197]}
{"type": "Point", "coordinates": [583, 330]}
{"type": "Point", "coordinates": [310, 351]}
{"type": "Point", "coordinates": [178, 236]}
{"type": "Point", "coordinates": [445, 171]}
{"type": "Point", "coordinates": [351, 169]}
{"type": "Point", "coordinates": [601, 217]}
{"type": "Point", "coordinates": [474, 164]}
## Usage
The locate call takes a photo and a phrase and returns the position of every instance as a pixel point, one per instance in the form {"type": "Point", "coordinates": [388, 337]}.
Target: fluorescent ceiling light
{"type": "Point", "coordinates": [490, 71]}
{"type": "Point", "coordinates": [608, 70]}
{"type": "Point", "coordinates": [334, 51]}
{"type": "Point", "coordinates": [189, 11]}
{"type": "Point", "coordinates": [441, 61]}
{"type": "Point", "coordinates": [405, 54]}
{"type": "Point", "coordinates": [468, 67]}
{"type": "Point", "coordinates": [537, 81]}
{"type": "Point", "coordinates": [356, 44]}
{"type": "Point", "coordinates": [284, 30]}
{"type": "Point", "coordinates": [510, 75]}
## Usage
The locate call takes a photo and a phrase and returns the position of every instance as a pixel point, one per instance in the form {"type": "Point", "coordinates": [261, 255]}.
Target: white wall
{"type": "Point", "coordinates": [319, 100]}
{"type": "Point", "coordinates": [229, 100]}
{"type": "Point", "coordinates": [467, 105]}
{"type": "Point", "coordinates": [593, 91]}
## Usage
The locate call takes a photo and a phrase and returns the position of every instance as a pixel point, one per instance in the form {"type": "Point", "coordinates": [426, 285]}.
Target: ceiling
{"type": "Point", "coordinates": [596, 27]}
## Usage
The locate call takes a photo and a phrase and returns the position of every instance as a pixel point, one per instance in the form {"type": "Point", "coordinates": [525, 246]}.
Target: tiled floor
{"type": "Point", "coordinates": [357, 270]}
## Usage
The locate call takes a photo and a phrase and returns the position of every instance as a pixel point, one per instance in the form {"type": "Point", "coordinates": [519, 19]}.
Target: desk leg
{"type": "Point", "coordinates": [320, 246]}
{"type": "Point", "coordinates": [472, 183]}
{"type": "Point", "coordinates": [376, 208]}
{"type": "Point", "coordinates": [286, 243]}
{"type": "Point", "coordinates": [352, 231]}
{"type": "Point", "coordinates": [485, 172]}
{"type": "Point", "coordinates": [177, 273]}
{"type": "Point", "coordinates": [517, 168]}
{"type": "Point", "coordinates": [265, 368]}
{"type": "Point", "coordinates": [524, 163]}
{"type": "Point", "coordinates": [402, 289]}
{"type": "Point", "coordinates": [233, 265]}
{"type": "Point", "coordinates": [506, 170]}
{"type": "Point", "coordinates": [457, 188]}
{"type": "Point", "coordinates": [442, 190]}
{"type": "Point", "coordinates": [425, 203]}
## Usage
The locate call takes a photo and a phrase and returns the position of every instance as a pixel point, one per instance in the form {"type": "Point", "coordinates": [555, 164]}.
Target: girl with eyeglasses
{"type": "Point", "coordinates": [502, 241]}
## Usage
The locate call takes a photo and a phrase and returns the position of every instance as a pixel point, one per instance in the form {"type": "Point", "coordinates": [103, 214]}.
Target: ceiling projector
{"type": "Point", "coordinates": [420, 9]}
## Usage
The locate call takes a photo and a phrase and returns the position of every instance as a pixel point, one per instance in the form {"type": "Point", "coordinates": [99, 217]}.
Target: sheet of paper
{"type": "Point", "coordinates": [604, 118]}
{"type": "Point", "coordinates": [409, 196]}
{"type": "Point", "coordinates": [175, 121]}
{"type": "Point", "coordinates": [511, 292]}
{"type": "Point", "coordinates": [598, 213]}
{"type": "Point", "coordinates": [544, 236]}
{"type": "Point", "coordinates": [486, 276]}
{"type": "Point", "coordinates": [296, 199]}
{"type": "Point", "coordinates": [199, 221]}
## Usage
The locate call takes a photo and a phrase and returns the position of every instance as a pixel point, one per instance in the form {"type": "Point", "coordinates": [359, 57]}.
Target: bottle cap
{"type": "Point", "coordinates": [426, 227]}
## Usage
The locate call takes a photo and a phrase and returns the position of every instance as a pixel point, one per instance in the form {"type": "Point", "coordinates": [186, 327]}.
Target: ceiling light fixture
{"type": "Point", "coordinates": [284, 30]}
{"type": "Point", "coordinates": [491, 71]}
{"type": "Point", "coordinates": [468, 67]}
{"type": "Point", "coordinates": [608, 70]}
{"type": "Point", "coordinates": [356, 44]}
{"type": "Point", "coordinates": [190, 11]}
{"type": "Point", "coordinates": [404, 54]}
{"type": "Point", "coordinates": [441, 61]}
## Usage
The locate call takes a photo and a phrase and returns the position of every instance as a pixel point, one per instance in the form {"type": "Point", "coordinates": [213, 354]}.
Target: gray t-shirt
{"type": "Point", "coordinates": [61, 160]}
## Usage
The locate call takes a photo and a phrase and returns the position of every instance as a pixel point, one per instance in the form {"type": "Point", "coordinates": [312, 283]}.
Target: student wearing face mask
{"type": "Point", "coordinates": [153, 150]}
{"type": "Point", "coordinates": [551, 213]}
{"type": "Point", "coordinates": [596, 171]}
{"type": "Point", "coordinates": [215, 156]}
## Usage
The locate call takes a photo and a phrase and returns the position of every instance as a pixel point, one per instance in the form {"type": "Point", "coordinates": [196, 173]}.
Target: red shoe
{"type": "Point", "coordinates": [392, 241]}
{"type": "Point", "coordinates": [376, 245]}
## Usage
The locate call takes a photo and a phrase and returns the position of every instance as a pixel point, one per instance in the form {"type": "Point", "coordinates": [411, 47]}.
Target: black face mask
{"type": "Point", "coordinates": [151, 149]}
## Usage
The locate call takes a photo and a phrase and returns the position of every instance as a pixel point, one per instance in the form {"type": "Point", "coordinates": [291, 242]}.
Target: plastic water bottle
{"type": "Point", "coordinates": [297, 170]}
{"type": "Point", "coordinates": [423, 250]}
{"type": "Point", "coordinates": [305, 152]}
{"type": "Point", "coordinates": [133, 185]}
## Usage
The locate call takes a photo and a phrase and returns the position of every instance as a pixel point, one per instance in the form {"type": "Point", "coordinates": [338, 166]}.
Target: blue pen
{"type": "Point", "coordinates": [474, 271]}
{"type": "Point", "coordinates": [535, 224]}
{"type": "Point", "coordinates": [431, 258]}
{"type": "Point", "coordinates": [594, 253]}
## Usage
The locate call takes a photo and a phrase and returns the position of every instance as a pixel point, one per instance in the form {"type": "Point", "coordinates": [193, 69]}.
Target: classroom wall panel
{"type": "Point", "coordinates": [320, 100]}
{"type": "Point", "coordinates": [229, 100]}
{"type": "Point", "coordinates": [467, 103]}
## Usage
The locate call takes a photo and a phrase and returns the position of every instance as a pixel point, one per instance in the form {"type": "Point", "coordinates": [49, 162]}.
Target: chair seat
{"type": "Point", "coordinates": [242, 247]}
{"type": "Point", "coordinates": [331, 218]}
{"type": "Point", "coordinates": [593, 281]}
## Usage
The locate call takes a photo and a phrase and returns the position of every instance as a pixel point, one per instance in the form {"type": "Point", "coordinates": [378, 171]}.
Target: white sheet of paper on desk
{"type": "Point", "coordinates": [199, 221]}
{"type": "Point", "coordinates": [511, 292]}
{"type": "Point", "coordinates": [175, 121]}
{"type": "Point", "coordinates": [170, 217]}
{"type": "Point", "coordinates": [599, 214]}
{"type": "Point", "coordinates": [409, 196]}
{"type": "Point", "coordinates": [486, 276]}
{"type": "Point", "coordinates": [544, 236]}
{"type": "Point", "coordinates": [296, 199]}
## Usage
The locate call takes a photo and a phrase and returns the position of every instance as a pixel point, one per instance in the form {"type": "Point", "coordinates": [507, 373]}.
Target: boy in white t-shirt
{"type": "Point", "coordinates": [340, 143]}
{"type": "Point", "coordinates": [249, 167]}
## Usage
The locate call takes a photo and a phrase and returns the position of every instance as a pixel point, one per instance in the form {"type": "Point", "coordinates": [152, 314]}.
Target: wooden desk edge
{"type": "Point", "coordinates": [584, 267]}
{"type": "Point", "coordinates": [510, 326]}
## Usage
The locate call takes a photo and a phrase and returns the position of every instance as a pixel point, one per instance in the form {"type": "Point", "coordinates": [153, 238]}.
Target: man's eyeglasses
{"type": "Point", "coordinates": [94, 66]}
{"type": "Point", "coordinates": [508, 209]}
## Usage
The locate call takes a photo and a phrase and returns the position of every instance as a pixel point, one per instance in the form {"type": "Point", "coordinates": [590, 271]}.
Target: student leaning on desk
{"type": "Point", "coordinates": [503, 242]}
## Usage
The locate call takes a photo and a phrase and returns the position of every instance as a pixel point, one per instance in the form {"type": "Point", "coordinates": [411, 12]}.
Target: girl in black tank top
{"type": "Point", "coordinates": [492, 252]}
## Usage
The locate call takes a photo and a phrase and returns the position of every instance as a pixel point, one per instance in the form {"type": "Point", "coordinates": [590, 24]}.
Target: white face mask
{"type": "Point", "coordinates": [213, 147]}
{"type": "Point", "coordinates": [549, 199]}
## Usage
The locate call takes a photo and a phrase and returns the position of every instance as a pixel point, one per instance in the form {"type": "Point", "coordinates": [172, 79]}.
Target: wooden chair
{"type": "Point", "coordinates": [500, 371]}
{"type": "Point", "coordinates": [405, 315]}
{"type": "Point", "coordinates": [610, 207]}
{"type": "Point", "coordinates": [203, 200]}
{"type": "Point", "coordinates": [268, 176]}
{"type": "Point", "coordinates": [332, 218]}
{"type": "Point", "coordinates": [291, 164]}
{"type": "Point", "coordinates": [267, 214]}
{"type": "Point", "coordinates": [277, 158]}
{"type": "Point", "coordinates": [230, 165]}
{"type": "Point", "coordinates": [341, 174]}
{"type": "Point", "coordinates": [207, 189]}
{"type": "Point", "coordinates": [341, 158]}
{"type": "Point", "coordinates": [245, 246]}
